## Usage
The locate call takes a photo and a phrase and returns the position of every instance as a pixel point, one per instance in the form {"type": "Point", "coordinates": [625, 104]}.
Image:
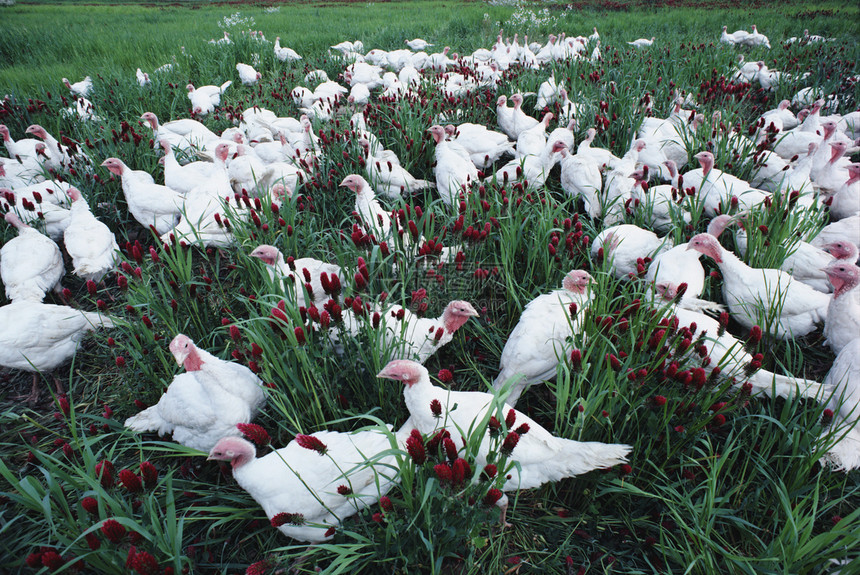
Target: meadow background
{"type": "Point", "coordinates": [717, 483]}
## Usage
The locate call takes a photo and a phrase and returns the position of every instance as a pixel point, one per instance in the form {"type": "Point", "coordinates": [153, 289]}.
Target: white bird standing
{"type": "Point", "coordinates": [88, 241]}
{"type": "Point", "coordinates": [541, 456]}
{"type": "Point", "coordinates": [844, 381]}
{"type": "Point", "coordinates": [403, 333]}
{"type": "Point", "coordinates": [539, 340]}
{"type": "Point", "coordinates": [285, 54]}
{"type": "Point", "coordinates": [30, 264]}
{"type": "Point", "coordinates": [303, 273]}
{"type": "Point", "coordinates": [761, 296]}
{"type": "Point", "coordinates": [82, 88]}
{"type": "Point", "coordinates": [40, 337]}
{"type": "Point", "coordinates": [247, 74]}
{"type": "Point", "coordinates": [843, 314]}
{"type": "Point", "coordinates": [454, 170]}
{"type": "Point", "coordinates": [149, 203]}
{"type": "Point", "coordinates": [206, 402]}
{"type": "Point", "coordinates": [642, 42]}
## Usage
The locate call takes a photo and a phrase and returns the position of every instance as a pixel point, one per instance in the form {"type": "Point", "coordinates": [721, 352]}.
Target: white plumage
{"type": "Point", "coordinates": [843, 381]}
{"type": "Point", "coordinates": [843, 314]}
{"type": "Point", "coordinates": [758, 296]}
{"type": "Point", "coordinates": [404, 334]}
{"type": "Point", "coordinates": [294, 271]}
{"type": "Point", "coordinates": [30, 264]}
{"type": "Point", "coordinates": [149, 203]}
{"type": "Point", "coordinates": [40, 337]}
{"type": "Point", "coordinates": [206, 402]}
{"type": "Point", "coordinates": [539, 340]}
{"type": "Point", "coordinates": [247, 74]}
{"type": "Point", "coordinates": [88, 241]}
{"type": "Point", "coordinates": [542, 457]}
{"type": "Point", "coordinates": [300, 481]}
{"type": "Point", "coordinates": [454, 170]}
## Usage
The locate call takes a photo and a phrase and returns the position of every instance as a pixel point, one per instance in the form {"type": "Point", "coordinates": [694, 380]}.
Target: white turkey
{"type": "Point", "coordinates": [845, 201]}
{"type": "Point", "coordinates": [843, 380]}
{"type": "Point", "coordinates": [418, 44]}
{"type": "Point", "coordinates": [185, 134]}
{"type": "Point", "coordinates": [484, 146]}
{"type": "Point", "coordinates": [203, 404]}
{"type": "Point", "coordinates": [247, 74]}
{"type": "Point", "coordinates": [532, 170]}
{"type": "Point", "coordinates": [39, 337]}
{"type": "Point", "coordinates": [532, 142]}
{"type": "Point", "coordinates": [642, 42]}
{"type": "Point", "coordinates": [541, 456]}
{"type": "Point", "coordinates": [539, 340]}
{"type": "Point", "coordinates": [389, 178]}
{"type": "Point", "coordinates": [769, 298]}
{"type": "Point", "coordinates": [314, 483]}
{"type": "Point", "coordinates": [183, 179]}
{"type": "Point", "coordinates": [149, 203]}
{"type": "Point", "coordinates": [304, 274]}
{"type": "Point", "coordinates": [728, 353]}
{"type": "Point", "coordinates": [142, 78]}
{"type": "Point", "coordinates": [82, 88]}
{"type": "Point", "coordinates": [513, 120]}
{"type": "Point", "coordinates": [30, 264]}
{"type": "Point", "coordinates": [580, 177]}
{"type": "Point", "coordinates": [403, 334]}
{"type": "Point", "coordinates": [52, 218]}
{"type": "Point", "coordinates": [842, 324]}
{"type": "Point", "coordinates": [454, 170]}
{"type": "Point", "coordinates": [374, 219]}
{"type": "Point", "coordinates": [626, 246]}
{"type": "Point", "coordinates": [284, 53]}
{"type": "Point", "coordinates": [89, 242]}
{"type": "Point", "coordinates": [205, 98]}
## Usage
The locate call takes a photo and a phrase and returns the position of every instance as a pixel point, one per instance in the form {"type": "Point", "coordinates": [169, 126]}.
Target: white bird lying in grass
{"type": "Point", "coordinates": [541, 456]}
{"type": "Point", "coordinates": [312, 485]}
{"type": "Point", "coordinates": [206, 402]}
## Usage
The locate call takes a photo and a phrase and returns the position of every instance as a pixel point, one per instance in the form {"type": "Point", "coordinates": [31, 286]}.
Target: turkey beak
{"type": "Point", "coordinates": [385, 374]}
{"type": "Point", "coordinates": [689, 247]}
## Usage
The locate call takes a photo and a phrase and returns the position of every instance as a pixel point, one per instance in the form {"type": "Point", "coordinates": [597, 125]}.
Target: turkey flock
{"type": "Point", "coordinates": [800, 152]}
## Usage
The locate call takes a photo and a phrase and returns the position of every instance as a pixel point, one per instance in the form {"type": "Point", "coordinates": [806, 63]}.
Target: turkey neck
{"type": "Point", "coordinates": [418, 396]}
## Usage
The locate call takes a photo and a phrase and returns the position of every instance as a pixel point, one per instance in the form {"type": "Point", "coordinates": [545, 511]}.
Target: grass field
{"type": "Point", "coordinates": [718, 482]}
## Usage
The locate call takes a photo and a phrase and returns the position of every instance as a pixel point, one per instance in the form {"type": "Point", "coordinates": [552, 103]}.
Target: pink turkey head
{"type": "Point", "coordinates": [456, 314]}
{"type": "Point", "coordinates": [236, 450]}
{"type": "Point", "coordinates": [354, 182]}
{"type": "Point", "coordinates": [558, 146]}
{"type": "Point", "coordinates": [165, 145]}
{"type": "Point", "coordinates": [706, 160]}
{"type": "Point", "coordinates": [4, 131]}
{"type": "Point", "coordinates": [222, 151]}
{"type": "Point", "coordinates": [577, 281]}
{"type": "Point", "coordinates": [517, 100]}
{"type": "Point", "coordinates": [438, 133]}
{"type": "Point", "coordinates": [114, 165]}
{"type": "Point", "coordinates": [450, 130]}
{"type": "Point", "coordinates": [37, 131]}
{"type": "Point", "coordinates": [13, 220]}
{"type": "Point", "coordinates": [547, 118]}
{"type": "Point", "coordinates": [842, 250]}
{"type": "Point", "coordinates": [151, 119]}
{"type": "Point", "coordinates": [708, 245]}
{"type": "Point", "coordinates": [843, 275]}
{"type": "Point", "coordinates": [837, 150]}
{"type": "Point", "coordinates": [185, 353]}
{"type": "Point", "coordinates": [190, 87]}
{"type": "Point", "coordinates": [74, 194]}
{"type": "Point", "coordinates": [502, 102]}
{"type": "Point", "coordinates": [269, 254]}
{"type": "Point", "coordinates": [407, 371]}
{"type": "Point", "coordinates": [672, 168]}
{"type": "Point", "coordinates": [666, 290]}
